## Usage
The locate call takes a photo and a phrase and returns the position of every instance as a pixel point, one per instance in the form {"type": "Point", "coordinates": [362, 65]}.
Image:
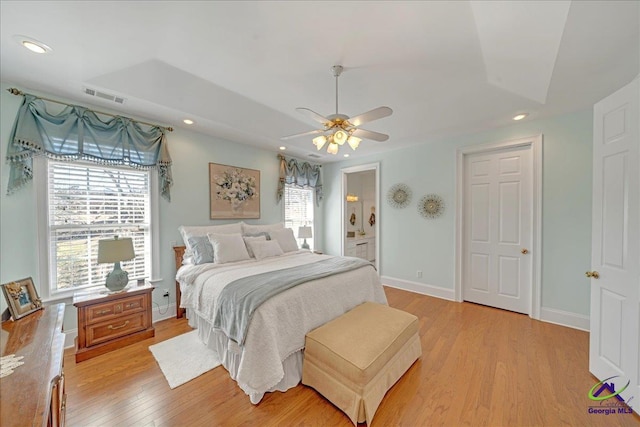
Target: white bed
{"type": "Point", "coordinates": [271, 357]}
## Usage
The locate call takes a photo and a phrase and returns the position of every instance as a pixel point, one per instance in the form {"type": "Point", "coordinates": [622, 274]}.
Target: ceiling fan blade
{"type": "Point", "coordinates": [315, 116]}
{"type": "Point", "coordinates": [369, 116]}
{"type": "Point", "coordinates": [311, 132]}
{"type": "Point", "coordinates": [368, 134]}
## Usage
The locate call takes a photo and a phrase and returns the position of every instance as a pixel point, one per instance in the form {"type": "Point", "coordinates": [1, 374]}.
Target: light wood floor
{"type": "Point", "coordinates": [480, 367]}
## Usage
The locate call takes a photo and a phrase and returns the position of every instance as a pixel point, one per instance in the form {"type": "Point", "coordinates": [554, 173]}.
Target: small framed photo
{"type": "Point", "coordinates": [22, 297]}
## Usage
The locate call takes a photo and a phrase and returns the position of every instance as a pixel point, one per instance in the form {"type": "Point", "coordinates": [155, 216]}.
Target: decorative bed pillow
{"type": "Point", "coordinates": [249, 239]}
{"type": "Point", "coordinates": [262, 233]}
{"type": "Point", "coordinates": [285, 239]}
{"type": "Point", "coordinates": [261, 228]}
{"type": "Point", "coordinates": [228, 248]}
{"type": "Point", "coordinates": [265, 248]}
{"type": "Point", "coordinates": [201, 249]}
{"type": "Point", "coordinates": [187, 231]}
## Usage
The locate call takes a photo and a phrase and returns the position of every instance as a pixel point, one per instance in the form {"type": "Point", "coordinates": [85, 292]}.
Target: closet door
{"type": "Point", "coordinates": [615, 261]}
{"type": "Point", "coordinates": [498, 221]}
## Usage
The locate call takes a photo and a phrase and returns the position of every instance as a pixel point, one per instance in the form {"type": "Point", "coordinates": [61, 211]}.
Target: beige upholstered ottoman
{"type": "Point", "coordinates": [355, 359]}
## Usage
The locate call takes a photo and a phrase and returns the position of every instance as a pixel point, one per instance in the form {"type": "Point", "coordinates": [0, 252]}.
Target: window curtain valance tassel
{"type": "Point", "coordinates": [77, 133]}
{"type": "Point", "coordinates": [301, 175]}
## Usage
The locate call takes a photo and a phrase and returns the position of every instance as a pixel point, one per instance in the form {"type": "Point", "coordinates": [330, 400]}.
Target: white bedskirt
{"type": "Point", "coordinates": [230, 355]}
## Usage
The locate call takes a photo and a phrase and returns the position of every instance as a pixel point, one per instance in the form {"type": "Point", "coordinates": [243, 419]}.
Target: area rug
{"type": "Point", "coordinates": [184, 358]}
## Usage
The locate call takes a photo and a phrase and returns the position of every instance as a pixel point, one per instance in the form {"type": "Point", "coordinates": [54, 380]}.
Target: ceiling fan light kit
{"type": "Point", "coordinates": [340, 128]}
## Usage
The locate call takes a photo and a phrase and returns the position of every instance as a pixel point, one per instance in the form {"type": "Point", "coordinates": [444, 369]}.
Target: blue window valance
{"type": "Point", "coordinates": [301, 175]}
{"type": "Point", "coordinates": [78, 133]}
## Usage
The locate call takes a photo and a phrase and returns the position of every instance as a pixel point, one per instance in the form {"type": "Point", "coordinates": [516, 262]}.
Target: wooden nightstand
{"type": "Point", "coordinates": [108, 321]}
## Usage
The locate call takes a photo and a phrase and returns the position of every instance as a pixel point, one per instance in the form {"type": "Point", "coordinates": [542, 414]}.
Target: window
{"type": "Point", "coordinates": [87, 203]}
{"type": "Point", "coordinates": [298, 209]}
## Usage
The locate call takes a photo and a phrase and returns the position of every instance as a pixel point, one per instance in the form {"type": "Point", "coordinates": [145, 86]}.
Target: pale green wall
{"type": "Point", "coordinates": [409, 243]}
{"type": "Point", "coordinates": [191, 153]}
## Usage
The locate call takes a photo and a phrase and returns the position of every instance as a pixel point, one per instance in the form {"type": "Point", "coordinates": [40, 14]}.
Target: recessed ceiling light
{"type": "Point", "coordinates": [32, 44]}
{"type": "Point", "coordinates": [520, 116]}
{"type": "Point", "coordinates": [346, 155]}
{"type": "Point", "coordinates": [283, 148]}
{"type": "Point", "coordinates": [188, 121]}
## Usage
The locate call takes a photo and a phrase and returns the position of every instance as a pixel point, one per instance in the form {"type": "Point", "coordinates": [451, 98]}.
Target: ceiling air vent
{"type": "Point", "coordinates": [315, 156]}
{"type": "Point", "coordinates": [107, 96]}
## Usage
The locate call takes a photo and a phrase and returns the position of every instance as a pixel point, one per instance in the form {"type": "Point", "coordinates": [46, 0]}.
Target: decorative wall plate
{"type": "Point", "coordinates": [431, 206]}
{"type": "Point", "coordinates": [399, 196]}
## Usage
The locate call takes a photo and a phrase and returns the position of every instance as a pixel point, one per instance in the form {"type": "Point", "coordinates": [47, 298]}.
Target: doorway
{"type": "Point", "coordinates": [498, 225]}
{"type": "Point", "coordinates": [359, 206]}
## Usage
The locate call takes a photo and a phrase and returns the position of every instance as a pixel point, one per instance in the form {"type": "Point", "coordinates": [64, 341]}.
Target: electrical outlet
{"type": "Point", "coordinates": [166, 293]}
{"type": "Point", "coordinates": [419, 274]}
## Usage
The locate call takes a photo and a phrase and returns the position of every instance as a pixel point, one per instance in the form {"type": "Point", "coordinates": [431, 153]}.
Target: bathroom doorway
{"type": "Point", "coordinates": [360, 202]}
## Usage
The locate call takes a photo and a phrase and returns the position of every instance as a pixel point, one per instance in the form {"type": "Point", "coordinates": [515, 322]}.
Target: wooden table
{"type": "Point", "coordinates": [33, 395]}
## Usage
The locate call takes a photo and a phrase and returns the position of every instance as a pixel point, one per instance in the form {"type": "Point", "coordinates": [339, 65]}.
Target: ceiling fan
{"type": "Point", "coordinates": [340, 128]}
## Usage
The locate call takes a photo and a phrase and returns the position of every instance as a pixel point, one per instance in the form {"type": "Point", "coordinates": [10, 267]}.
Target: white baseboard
{"type": "Point", "coordinates": [70, 337]}
{"type": "Point", "coordinates": [163, 312]}
{"type": "Point", "coordinates": [550, 315]}
{"type": "Point", "coordinates": [565, 318]}
{"type": "Point", "coordinates": [157, 314]}
{"type": "Point", "coordinates": [420, 288]}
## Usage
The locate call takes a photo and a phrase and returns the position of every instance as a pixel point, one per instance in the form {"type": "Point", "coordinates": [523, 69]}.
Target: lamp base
{"type": "Point", "coordinates": [118, 279]}
{"type": "Point", "coordinates": [305, 245]}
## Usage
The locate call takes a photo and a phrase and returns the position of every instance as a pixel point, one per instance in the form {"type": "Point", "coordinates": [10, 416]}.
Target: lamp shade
{"type": "Point", "coordinates": [319, 141]}
{"type": "Point", "coordinates": [353, 142]}
{"type": "Point", "coordinates": [304, 232]}
{"type": "Point", "coordinates": [340, 137]}
{"type": "Point", "coordinates": [115, 250]}
{"type": "Point", "coordinates": [352, 198]}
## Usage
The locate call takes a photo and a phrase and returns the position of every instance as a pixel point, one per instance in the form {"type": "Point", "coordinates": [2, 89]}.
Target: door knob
{"type": "Point", "coordinates": [592, 274]}
{"type": "Point", "coordinates": [524, 251]}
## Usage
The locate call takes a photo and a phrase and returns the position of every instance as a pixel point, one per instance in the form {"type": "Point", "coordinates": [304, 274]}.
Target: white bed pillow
{"type": "Point", "coordinates": [265, 248]}
{"type": "Point", "coordinates": [261, 228]}
{"type": "Point", "coordinates": [228, 248]}
{"type": "Point", "coordinates": [249, 239]}
{"type": "Point", "coordinates": [285, 239]}
{"type": "Point", "coordinates": [187, 231]}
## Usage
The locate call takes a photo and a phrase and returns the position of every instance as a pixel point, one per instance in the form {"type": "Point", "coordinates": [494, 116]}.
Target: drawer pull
{"type": "Point", "coordinates": [118, 327]}
{"type": "Point", "coordinates": [131, 305]}
{"type": "Point", "coordinates": [104, 312]}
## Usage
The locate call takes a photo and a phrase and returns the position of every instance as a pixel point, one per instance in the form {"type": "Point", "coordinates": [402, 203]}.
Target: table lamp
{"type": "Point", "coordinates": [116, 250]}
{"type": "Point", "coordinates": [304, 233]}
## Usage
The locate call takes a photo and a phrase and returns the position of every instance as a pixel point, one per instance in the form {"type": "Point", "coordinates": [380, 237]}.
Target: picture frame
{"type": "Point", "coordinates": [234, 192]}
{"type": "Point", "coordinates": [22, 297]}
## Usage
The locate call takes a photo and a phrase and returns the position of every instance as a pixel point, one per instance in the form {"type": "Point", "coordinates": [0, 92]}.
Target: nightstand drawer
{"type": "Point", "coordinates": [109, 310]}
{"type": "Point", "coordinates": [121, 326]}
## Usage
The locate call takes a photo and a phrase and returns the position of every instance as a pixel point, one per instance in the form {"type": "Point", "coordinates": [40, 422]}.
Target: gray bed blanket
{"type": "Point", "coordinates": [239, 299]}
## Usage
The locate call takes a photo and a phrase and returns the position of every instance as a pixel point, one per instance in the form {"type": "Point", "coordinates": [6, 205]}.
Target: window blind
{"type": "Point", "coordinates": [298, 209]}
{"type": "Point", "coordinates": [89, 203]}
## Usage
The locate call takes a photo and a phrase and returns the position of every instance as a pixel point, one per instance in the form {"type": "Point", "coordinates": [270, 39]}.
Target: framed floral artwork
{"type": "Point", "coordinates": [234, 192]}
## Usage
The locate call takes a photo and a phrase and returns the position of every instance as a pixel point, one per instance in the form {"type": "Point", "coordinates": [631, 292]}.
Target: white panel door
{"type": "Point", "coordinates": [615, 258]}
{"type": "Point", "coordinates": [498, 218]}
